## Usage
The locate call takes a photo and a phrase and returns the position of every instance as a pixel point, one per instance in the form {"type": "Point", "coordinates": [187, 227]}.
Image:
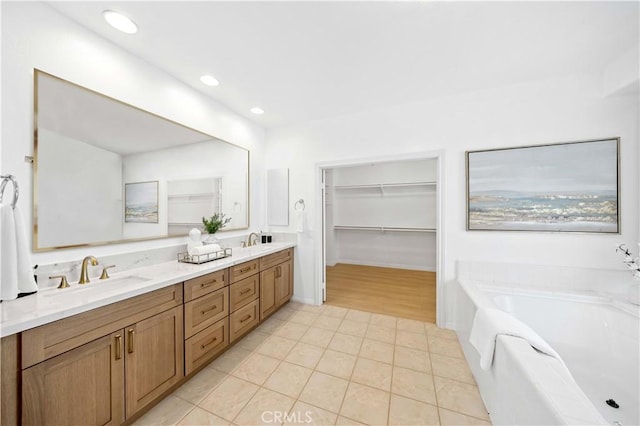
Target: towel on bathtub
{"type": "Point", "coordinates": [490, 322]}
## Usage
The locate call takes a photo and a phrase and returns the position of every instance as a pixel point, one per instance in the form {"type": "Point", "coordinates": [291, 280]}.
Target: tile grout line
{"type": "Point", "coordinates": [288, 321]}
{"type": "Point", "coordinates": [230, 374]}
{"type": "Point", "coordinates": [433, 380]}
{"type": "Point", "coordinates": [293, 312]}
{"type": "Point", "coordinates": [297, 398]}
{"type": "Point", "coordinates": [393, 363]}
{"type": "Point", "coordinates": [348, 383]}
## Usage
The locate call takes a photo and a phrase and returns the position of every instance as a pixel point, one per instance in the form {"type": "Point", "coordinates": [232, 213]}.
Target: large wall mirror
{"type": "Point", "coordinates": [108, 172]}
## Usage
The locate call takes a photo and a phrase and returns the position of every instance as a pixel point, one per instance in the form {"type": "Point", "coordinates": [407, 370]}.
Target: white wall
{"type": "Point", "coordinates": [35, 36]}
{"type": "Point", "coordinates": [72, 205]}
{"type": "Point", "coordinates": [558, 110]}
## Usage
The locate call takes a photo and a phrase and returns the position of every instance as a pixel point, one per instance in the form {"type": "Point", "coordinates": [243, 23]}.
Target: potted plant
{"type": "Point", "coordinates": [214, 224]}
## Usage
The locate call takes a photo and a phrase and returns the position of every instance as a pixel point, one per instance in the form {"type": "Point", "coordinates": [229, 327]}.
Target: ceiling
{"type": "Point", "coordinates": [303, 61]}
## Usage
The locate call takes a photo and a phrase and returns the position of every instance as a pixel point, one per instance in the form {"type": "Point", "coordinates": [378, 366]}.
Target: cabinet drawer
{"type": "Point", "coordinates": [243, 292]}
{"type": "Point", "coordinates": [243, 320]}
{"type": "Point", "coordinates": [204, 311]}
{"type": "Point", "coordinates": [204, 346]}
{"type": "Point", "coordinates": [205, 284]}
{"type": "Point", "coordinates": [243, 270]}
{"type": "Point", "coordinates": [275, 259]}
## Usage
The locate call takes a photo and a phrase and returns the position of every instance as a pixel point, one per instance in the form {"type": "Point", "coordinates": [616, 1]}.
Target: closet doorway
{"type": "Point", "coordinates": [380, 245]}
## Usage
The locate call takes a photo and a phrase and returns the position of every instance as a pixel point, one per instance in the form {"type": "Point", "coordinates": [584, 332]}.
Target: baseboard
{"type": "Point", "coordinates": [388, 265]}
{"type": "Point", "coordinates": [294, 298]}
{"type": "Point", "coordinates": [450, 326]}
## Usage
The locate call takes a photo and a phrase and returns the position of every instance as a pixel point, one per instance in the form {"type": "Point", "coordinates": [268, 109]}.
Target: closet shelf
{"type": "Point", "coordinates": [383, 228]}
{"type": "Point", "coordinates": [385, 185]}
{"type": "Point", "coordinates": [195, 194]}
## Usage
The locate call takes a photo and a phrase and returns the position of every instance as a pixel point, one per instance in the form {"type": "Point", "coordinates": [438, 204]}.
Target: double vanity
{"type": "Point", "coordinates": [105, 352]}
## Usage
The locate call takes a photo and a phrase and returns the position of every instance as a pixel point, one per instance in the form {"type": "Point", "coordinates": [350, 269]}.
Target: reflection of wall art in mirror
{"type": "Point", "coordinates": [141, 202]}
{"type": "Point", "coordinates": [565, 187]}
{"type": "Point", "coordinates": [87, 145]}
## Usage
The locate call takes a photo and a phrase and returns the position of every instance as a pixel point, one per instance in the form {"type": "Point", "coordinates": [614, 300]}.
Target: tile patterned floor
{"type": "Point", "coordinates": [327, 365]}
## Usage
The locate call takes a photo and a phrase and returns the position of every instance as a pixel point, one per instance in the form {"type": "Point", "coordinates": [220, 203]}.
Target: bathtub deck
{"type": "Point", "coordinates": [388, 291]}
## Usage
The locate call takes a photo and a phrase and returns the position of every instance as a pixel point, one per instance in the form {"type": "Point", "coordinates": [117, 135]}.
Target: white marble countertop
{"type": "Point", "coordinates": [52, 304]}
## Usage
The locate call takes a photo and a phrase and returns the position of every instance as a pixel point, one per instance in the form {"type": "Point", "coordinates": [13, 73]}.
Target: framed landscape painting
{"type": "Point", "coordinates": [141, 202]}
{"type": "Point", "coordinates": [564, 187]}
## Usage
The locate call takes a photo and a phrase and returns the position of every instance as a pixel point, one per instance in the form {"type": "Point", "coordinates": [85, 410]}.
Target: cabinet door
{"type": "Point", "coordinates": [283, 283]}
{"type": "Point", "coordinates": [84, 386]}
{"type": "Point", "coordinates": [155, 357]}
{"type": "Point", "coordinates": [268, 303]}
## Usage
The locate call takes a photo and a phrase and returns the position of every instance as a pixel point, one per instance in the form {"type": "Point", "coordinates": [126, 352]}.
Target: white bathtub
{"type": "Point", "coordinates": [598, 339]}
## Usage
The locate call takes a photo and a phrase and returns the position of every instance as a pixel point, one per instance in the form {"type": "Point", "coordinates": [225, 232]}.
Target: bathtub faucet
{"type": "Point", "coordinates": [632, 264]}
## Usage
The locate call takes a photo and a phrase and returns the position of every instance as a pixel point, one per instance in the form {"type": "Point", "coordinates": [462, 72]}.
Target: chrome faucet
{"type": "Point", "coordinates": [255, 242]}
{"type": "Point", "coordinates": [84, 275]}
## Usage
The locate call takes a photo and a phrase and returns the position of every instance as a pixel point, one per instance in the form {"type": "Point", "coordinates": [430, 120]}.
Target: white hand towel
{"type": "Point", "coordinates": [489, 323]}
{"type": "Point", "coordinates": [300, 218]}
{"type": "Point", "coordinates": [195, 240]}
{"type": "Point", "coordinates": [209, 248]}
{"type": "Point", "coordinates": [26, 281]}
{"type": "Point", "coordinates": [9, 277]}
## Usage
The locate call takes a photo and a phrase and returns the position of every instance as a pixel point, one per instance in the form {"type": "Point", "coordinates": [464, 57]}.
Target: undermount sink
{"type": "Point", "coordinates": [129, 279]}
{"type": "Point", "coordinates": [259, 248]}
{"type": "Point", "coordinates": [95, 284]}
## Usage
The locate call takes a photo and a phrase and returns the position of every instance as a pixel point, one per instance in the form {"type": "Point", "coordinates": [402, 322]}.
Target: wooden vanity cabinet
{"type": "Point", "coordinates": [84, 386]}
{"type": "Point", "coordinates": [109, 365]}
{"type": "Point", "coordinates": [276, 281]}
{"type": "Point", "coordinates": [70, 377]}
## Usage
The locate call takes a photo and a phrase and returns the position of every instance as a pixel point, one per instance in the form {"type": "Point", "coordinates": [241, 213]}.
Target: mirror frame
{"type": "Point", "coordinates": [35, 247]}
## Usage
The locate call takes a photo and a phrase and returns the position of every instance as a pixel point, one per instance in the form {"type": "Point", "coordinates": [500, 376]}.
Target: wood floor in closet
{"type": "Point", "coordinates": [389, 291]}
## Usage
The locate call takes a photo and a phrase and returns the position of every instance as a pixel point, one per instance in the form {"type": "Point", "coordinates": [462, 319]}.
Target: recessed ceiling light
{"type": "Point", "coordinates": [257, 110]}
{"type": "Point", "coordinates": [209, 80]}
{"type": "Point", "coordinates": [120, 22]}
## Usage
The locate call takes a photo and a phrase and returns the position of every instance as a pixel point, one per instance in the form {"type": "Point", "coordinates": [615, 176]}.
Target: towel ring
{"type": "Point", "coordinates": [16, 189]}
{"type": "Point", "coordinates": [301, 202]}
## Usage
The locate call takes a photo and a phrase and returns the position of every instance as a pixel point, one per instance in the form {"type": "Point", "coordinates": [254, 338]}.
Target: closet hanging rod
{"type": "Point", "coordinates": [383, 228]}
{"type": "Point", "coordinates": [383, 185]}
{"type": "Point", "coordinates": [16, 188]}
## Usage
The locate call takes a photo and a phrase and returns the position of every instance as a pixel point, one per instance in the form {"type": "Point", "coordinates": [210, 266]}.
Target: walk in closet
{"type": "Point", "coordinates": [381, 237]}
